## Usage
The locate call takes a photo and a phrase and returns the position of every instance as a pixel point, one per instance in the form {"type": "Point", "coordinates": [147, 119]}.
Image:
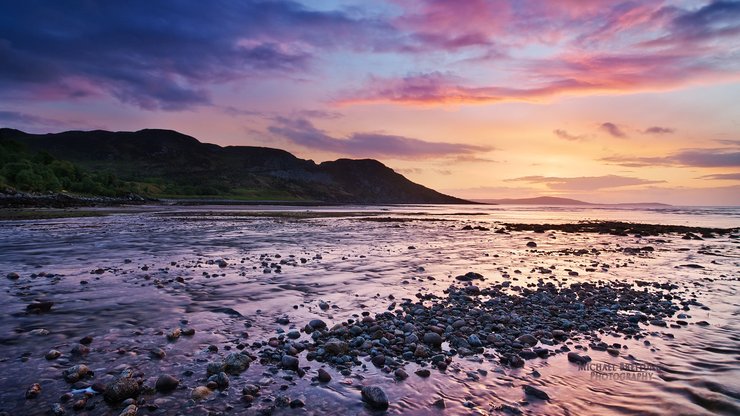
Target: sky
{"type": "Point", "coordinates": [602, 100]}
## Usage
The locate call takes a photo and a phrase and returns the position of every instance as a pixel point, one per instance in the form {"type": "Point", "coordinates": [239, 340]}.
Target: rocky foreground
{"type": "Point", "coordinates": [526, 315]}
{"type": "Point", "coordinates": [507, 322]}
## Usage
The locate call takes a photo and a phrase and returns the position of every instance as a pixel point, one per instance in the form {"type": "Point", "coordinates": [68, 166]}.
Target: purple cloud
{"type": "Point", "coordinates": [303, 133]}
{"type": "Point", "coordinates": [160, 55]}
{"type": "Point", "coordinates": [659, 130]}
{"type": "Point", "coordinates": [567, 136]}
{"type": "Point", "coordinates": [613, 130]}
{"type": "Point", "coordinates": [735, 176]}
{"type": "Point", "coordinates": [705, 158]}
{"type": "Point", "coordinates": [584, 183]}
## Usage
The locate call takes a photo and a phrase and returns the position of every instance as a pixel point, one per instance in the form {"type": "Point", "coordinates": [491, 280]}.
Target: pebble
{"type": "Point", "coordinates": [289, 362]}
{"type": "Point", "coordinates": [52, 355]}
{"type": "Point", "coordinates": [166, 383]}
{"type": "Point", "coordinates": [33, 391]}
{"type": "Point", "coordinates": [433, 338]}
{"type": "Point", "coordinates": [400, 374]}
{"type": "Point", "coordinates": [324, 376]}
{"type": "Point", "coordinates": [375, 397]}
{"type": "Point", "coordinates": [13, 276]}
{"type": "Point", "coordinates": [199, 393]}
{"type": "Point", "coordinates": [221, 380]}
{"type": "Point", "coordinates": [534, 391]}
{"type": "Point", "coordinates": [424, 373]}
{"type": "Point", "coordinates": [236, 362]}
{"type": "Point", "coordinates": [121, 389]}
{"type": "Point", "coordinates": [131, 410]}
{"type": "Point", "coordinates": [76, 373]}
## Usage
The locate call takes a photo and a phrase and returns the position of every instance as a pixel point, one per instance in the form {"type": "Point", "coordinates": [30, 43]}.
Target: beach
{"type": "Point", "coordinates": [361, 310]}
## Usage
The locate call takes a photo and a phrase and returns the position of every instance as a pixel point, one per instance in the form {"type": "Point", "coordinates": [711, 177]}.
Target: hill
{"type": "Point", "coordinates": [165, 163]}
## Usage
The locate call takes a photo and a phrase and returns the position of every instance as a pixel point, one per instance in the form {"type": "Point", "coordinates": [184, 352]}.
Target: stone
{"type": "Point", "coordinates": [423, 373]}
{"type": "Point", "coordinates": [39, 307]}
{"type": "Point", "coordinates": [379, 360]}
{"type": "Point", "coordinates": [33, 391]}
{"type": "Point", "coordinates": [375, 398]}
{"type": "Point", "coordinates": [534, 391]}
{"type": "Point", "coordinates": [13, 276]}
{"type": "Point", "coordinates": [121, 389]}
{"type": "Point", "coordinates": [76, 373]}
{"type": "Point", "coordinates": [439, 404]}
{"type": "Point", "coordinates": [174, 335]}
{"type": "Point", "coordinates": [52, 355]}
{"type": "Point", "coordinates": [531, 244]}
{"type": "Point", "coordinates": [166, 383]}
{"type": "Point", "coordinates": [470, 276]}
{"type": "Point", "coordinates": [400, 374]}
{"type": "Point", "coordinates": [433, 339]}
{"type": "Point", "coordinates": [221, 380]}
{"type": "Point", "coordinates": [289, 362]}
{"type": "Point", "coordinates": [131, 410]}
{"type": "Point", "coordinates": [317, 324]}
{"type": "Point", "coordinates": [527, 339]}
{"type": "Point", "coordinates": [574, 357]}
{"type": "Point", "coordinates": [336, 347]}
{"type": "Point", "coordinates": [324, 377]}
{"type": "Point", "coordinates": [200, 393]}
{"type": "Point", "coordinates": [251, 389]}
{"type": "Point", "coordinates": [235, 363]}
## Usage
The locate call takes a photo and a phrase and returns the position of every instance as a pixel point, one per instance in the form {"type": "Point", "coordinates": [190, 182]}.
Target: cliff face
{"type": "Point", "coordinates": [177, 164]}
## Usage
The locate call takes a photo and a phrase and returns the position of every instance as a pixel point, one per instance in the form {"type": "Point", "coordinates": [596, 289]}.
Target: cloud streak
{"type": "Point", "coordinates": [303, 133]}
{"type": "Point", "coordinates": [704, 158]}
{"type": "Point", "coordinates": [584, 183]}
{"type": "Point", "coordinates": [613, 130]}
{"type": "Point", "coordinates": [567, 136]}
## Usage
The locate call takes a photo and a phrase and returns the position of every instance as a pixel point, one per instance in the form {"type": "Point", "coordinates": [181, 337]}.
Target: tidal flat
{"type": "Point", "coordinates": [419, 310]}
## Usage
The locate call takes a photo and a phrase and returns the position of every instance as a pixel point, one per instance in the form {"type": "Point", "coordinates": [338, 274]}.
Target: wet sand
{"type": "Point", "coordinates": [146, 293]}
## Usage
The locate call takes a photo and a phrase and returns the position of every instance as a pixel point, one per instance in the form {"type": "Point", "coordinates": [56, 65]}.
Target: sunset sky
{"type": "Point", "coordinates": [602, 100]}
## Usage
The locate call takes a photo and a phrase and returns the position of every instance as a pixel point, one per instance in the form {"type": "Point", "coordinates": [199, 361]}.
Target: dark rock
{"type": "Point", "coordinates": [534, 391]}
{"type": "Point", "coordinates": [423, 373]}
{"type": "Point", "coordinates": [317, 324]}
{"type": "Point", "coordinates": [121, 389]}
{"type": "Point", "coordinates": [469, 276]}
{"type": "Point", "coordinates": [378, 360]}
{"type": "Point", "coordinates": [52, 355]}
{"type": "Point", "coordinates": [439, 404]}
{"type": "Point", "coordinates": [433, 339]}
{"type": "Point", "coordinates": [166, 383]}
{"type": "Point", "coordinates": [574, 357]}
{"type": "Point", "coordinates": [324, 377]}
{"type": "Point", "coordinates": [527, 339]}
{"type": "Point", "coordinates": [33, 391]}
{"type": "Point", "coordinates": [375, 397]}
{"type": "Point", "coordinates": [289, 362]}
{"type": "Point", "coordinates": [400, 374]}
{"type": "Point", "coordinates": [39, 307]}
{"type": "Point", "coordinates": [13, 276]}
{"type": "Point", "coordinates": [221, 380]}
{"type": "Point", "coordinates": [335, 347]}
{"type": "Point", "coordinates": [130, 410]}
{"type": "Point", "coordinates": [531, 244]}
{"type": "Point", "coordinates": [76, 373]}
{"type": "Point", "coordinates": [235, 363]}
{"type": "Point", "coordinates": [200, 393]}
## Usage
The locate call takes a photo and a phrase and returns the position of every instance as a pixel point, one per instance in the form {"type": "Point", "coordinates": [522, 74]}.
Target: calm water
{"type": "Point", "coordinates": [130, 263]}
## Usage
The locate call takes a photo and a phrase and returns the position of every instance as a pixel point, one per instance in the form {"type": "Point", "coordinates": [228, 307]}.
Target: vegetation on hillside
{"type": "Point", "coordinates": [29, 171]}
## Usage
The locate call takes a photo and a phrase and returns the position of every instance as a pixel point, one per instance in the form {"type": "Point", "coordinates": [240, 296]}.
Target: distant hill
{"type": "Point", "coordinates": [553, 200]}
{"type": "Point", "coordinates": [166, 163]}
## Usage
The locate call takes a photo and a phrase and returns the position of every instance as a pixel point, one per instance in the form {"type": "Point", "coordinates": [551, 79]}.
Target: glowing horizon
{"type": "Point", "coordinates": [601, 101]}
